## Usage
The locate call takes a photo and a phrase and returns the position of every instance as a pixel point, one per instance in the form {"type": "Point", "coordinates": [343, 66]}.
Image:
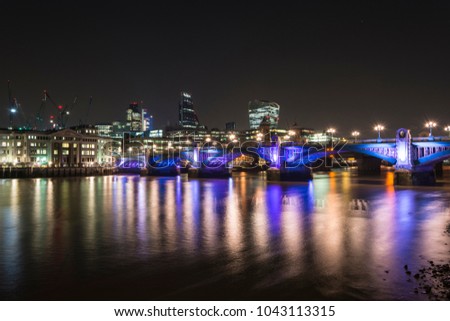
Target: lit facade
{"type": "Point", "coordinates": [17, 147]}
{"type": "Point", "coordinates": [146, 121]}
{"type": "Point", "coordinates": [105, 130]}
{"type": "Point", "coordinates": [68, 147]}
{"type": "Point", "coordinates": [259, 109]}
{"type": "Point", "coordinates": [187, 116]}
{"type": "Point", "coordinates": [134, 118]}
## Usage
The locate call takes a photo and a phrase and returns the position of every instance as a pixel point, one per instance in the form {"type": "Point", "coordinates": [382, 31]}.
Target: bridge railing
{"type": "Point", "coordinates": [371, 141]}
{"type": "Point", "coordinates": [433, 139]}
{"type": "Point", "coordinates": [392, 140]}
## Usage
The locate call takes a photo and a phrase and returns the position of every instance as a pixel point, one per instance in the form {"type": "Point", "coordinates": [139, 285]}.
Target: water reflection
{"type": "Point", "coordinates": [180, 238]}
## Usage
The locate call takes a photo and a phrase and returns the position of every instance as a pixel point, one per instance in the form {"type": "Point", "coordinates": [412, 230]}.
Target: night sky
{"type": "Point", "coordinates": [326, 63]}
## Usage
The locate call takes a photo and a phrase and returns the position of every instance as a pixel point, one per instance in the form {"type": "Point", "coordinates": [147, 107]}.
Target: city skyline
{"type": "Point", "coordinates": [238, 159]}
{"type": "Point", "coordinates": [320, 63]}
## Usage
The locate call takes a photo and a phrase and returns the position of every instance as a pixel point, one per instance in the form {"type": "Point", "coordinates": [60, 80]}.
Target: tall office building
{"type": "Point", "coordinates": [134, 118]}
{"type": "Point", "coordinates": [259, 109]}
{"type": "Point", "coordinates": [187, 116]}
{"type": "Point", "coordinates": [231, 125]}
{"type": "Point", "coordinates": [147, 120]}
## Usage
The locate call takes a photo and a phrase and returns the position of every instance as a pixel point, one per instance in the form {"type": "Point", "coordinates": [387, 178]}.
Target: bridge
{"type": "Point", "coordinates": [415, 159]}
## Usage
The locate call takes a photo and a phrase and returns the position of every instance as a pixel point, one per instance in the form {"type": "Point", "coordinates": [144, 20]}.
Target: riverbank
{"type": "Point", "coordinates": [36, 172]}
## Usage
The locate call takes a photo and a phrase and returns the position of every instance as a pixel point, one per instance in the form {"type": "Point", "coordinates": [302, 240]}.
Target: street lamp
{"type": "Point", "coordinates": [431, 125]}
{"type": "Point", "coordinates": [355, 134]}
{"type": "Point", "coordinates": [447, 129]}
{"type": "Point", "coordinates": [331, 131]}
{"type": "Point", "coordinates": [259, 137]}
{"type": "Point", "coordinates": [379, 128]}
{"type": "Point", "coordinates": [232, 137]}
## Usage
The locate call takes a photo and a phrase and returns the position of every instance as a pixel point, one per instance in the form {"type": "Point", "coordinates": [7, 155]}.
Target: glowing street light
{"type": "Point", "coordinates": [208, 139]}
{"type": "Point", "coordinates": [331, 131]}
{"type": "Point", "coordinates": [291, 133]}
{"type": "Point", "coordinates": [447, 129]}
{"type": "Point", "coordinates": [259, 137]}
{"type": "Point", "coordinates": [431, 125]}
{"type": "Point", "coordinates": [355, 135]}
{"type": "Point", "coordinates": [232, 137]}
{"type": "Point", "coordinates": [379, 128]}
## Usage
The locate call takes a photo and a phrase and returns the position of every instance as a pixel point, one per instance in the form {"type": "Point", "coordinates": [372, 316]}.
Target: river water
{"type": "Point", "coordinates": [339, 237]}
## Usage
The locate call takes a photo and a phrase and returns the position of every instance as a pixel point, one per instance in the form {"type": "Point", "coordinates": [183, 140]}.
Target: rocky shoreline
{"type": "Point", "coordinates": [433, 279]}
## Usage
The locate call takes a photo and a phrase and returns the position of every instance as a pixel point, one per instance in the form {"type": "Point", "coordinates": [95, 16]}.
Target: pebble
{"type": "Point", "coordinates": [433, 280]}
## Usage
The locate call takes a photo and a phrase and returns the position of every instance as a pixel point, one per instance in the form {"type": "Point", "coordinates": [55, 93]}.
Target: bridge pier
{"type": "Point", "coordinates": [209, 172]}
{"type": "Point", "coordinates": [169, 170]}
{"type": "Point", "coordinates": [439, 169]}
{"type": "Point", "coordinates": [368, 165]}
{"type": "Point", "coordinates": [296, 174]}
{"type": "Point", "coordinates": [416, 177]}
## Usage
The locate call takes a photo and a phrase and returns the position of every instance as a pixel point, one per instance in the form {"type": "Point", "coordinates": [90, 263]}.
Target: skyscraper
{"type": "Point", "coordinates": [187, 116]}
{"type": "Point", "coordinates": [231, 125]}
{"type": "Point", "coordinates": [147, 120]}
{"type": "Point", "coordinates": [134, 120]}
{"type": "Point", "coordinates": [259, 109]}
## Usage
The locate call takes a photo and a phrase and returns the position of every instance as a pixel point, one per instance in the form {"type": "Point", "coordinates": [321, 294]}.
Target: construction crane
{"type": "Point", "coordinates": [88, 110]}
{"type": "Point", "coordinates": [54, 124]}
{"type": "Point", "coordinates": [63, 111]}
{"type": "Point", "coordinates": [39, 120]}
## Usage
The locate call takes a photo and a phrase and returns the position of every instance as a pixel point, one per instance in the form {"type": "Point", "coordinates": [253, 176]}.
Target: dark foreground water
{"type": "Point", "coordinates": [129, 237]}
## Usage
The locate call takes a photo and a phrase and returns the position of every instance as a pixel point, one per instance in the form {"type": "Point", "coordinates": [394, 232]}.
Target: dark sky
{"type": "Point", "coordinates": [326, 63]}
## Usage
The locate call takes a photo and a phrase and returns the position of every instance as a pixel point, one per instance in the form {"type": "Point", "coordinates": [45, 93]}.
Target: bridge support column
{"type": "Point", "coordinates": [273, 174]}
{"type": "Point", "coordinates": [417, 177]}
{"type": "Point", "coordinates": [298, 173]}
{"type": "Point", "coordinates": [368, 165]}
{"type": "Point", "coordinates": [439, 169]}
{"type": "Point", "coordinates": [209, 172]}
{"type": "Point", "coordinates": [169, 170]}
